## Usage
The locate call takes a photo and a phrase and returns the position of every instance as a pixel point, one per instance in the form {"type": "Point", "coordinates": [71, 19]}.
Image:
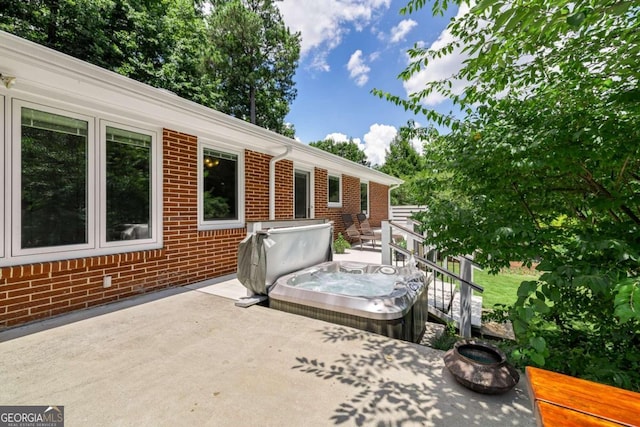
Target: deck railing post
{"type": "Point", "coordinates": [465, 298]}
{"type": "Point", "coordinates": [386, 238]}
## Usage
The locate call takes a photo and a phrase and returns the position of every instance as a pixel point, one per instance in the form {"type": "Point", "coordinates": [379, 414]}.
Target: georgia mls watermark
{"type": "Point", "coordinates": [31, 416]}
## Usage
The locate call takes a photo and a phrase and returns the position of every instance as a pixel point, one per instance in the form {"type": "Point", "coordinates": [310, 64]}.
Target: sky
{"type": "Point", "coordinates": [350, 47]}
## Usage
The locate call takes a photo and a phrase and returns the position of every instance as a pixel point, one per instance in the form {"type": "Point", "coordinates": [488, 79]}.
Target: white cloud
{"type": "Point", "coordinates": [358, 70]}
{"type": "Point", "coordinates": [337, 137]}
{"type": "Point", "coordinates": [440, 68]}
{"type": "Point", "coordinates": [400, 31]}
{"type": "Point", "coordinates": [323, 23]}
{"type": "Point", "coordinates": [377, 140]}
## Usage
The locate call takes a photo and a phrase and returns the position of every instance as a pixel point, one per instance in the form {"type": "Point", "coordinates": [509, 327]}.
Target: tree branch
{"type": "Point", "coordinates": [525, 204]}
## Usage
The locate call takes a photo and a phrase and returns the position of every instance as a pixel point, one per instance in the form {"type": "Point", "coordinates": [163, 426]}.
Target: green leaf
{"type": "Point", "coordinates": [627, 300]}
{"type": "Point", "coordinates": [576, 19]}
{"type": "Point", "coordinates": [540, 306]}
{"type": "Point", "coordinates": [537, 358]}
{"type": "Point", "coordinates": [527, 288]}
{"type": "Point", "coordinates": [538, 343]}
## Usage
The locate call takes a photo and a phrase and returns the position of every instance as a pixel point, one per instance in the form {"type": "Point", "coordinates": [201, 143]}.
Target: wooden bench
{"type": "Point", "coordinates": [560, 400]}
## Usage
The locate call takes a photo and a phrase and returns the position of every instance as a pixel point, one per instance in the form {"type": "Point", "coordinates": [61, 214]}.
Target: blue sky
{"type": "Point", "coordinates": [350, 47]}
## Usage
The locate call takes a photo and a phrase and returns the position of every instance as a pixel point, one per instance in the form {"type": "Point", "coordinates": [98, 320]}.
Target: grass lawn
{"type": "Point", "coordinates": [501, 288]}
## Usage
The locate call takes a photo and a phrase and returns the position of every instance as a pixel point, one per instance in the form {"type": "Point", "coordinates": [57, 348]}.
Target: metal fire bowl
{"type": "Point", "coordinates": [481, 367]}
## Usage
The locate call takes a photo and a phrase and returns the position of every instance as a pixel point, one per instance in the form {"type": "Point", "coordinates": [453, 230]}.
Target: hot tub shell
{"type": "Point", "coordinates": [271, 262]}
{"type": "Point", "coordinates": [400, 314]}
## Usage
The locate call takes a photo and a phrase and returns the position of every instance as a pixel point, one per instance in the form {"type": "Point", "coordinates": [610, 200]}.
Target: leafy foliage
{"type": "Point", "coordinates": [240, 59]}
{"type": "Point", "coordinates": [159, 43]}
{"type": "Point", "coordinates": [254, 56]}
{"type": "Point", "coordinates": [544, 167]}
{"type": "Point", "coordinates": [402, 160]}
{"type": "Point", "coordinates": [346, 149]}
{"type": "Point", "coordinates": [340, 244]}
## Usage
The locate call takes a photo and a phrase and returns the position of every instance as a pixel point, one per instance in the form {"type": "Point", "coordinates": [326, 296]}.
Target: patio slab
{"type": "Point", "coordinates": [187, 357]}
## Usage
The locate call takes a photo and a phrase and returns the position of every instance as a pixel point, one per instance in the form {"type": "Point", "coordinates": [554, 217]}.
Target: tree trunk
{"type": "Point", "coordinates": [252, 105]}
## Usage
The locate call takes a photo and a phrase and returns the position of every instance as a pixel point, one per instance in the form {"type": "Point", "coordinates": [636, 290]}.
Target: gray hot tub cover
{"type": "Point", "coordinates": [264, 256]}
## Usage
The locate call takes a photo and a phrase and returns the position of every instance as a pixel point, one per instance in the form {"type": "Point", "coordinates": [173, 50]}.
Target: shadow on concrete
{"type": "Point", "coordinates": [398, 383]}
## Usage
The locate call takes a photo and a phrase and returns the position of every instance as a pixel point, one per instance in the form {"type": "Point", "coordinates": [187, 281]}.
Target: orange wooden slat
{"type": "Point", "coordinates": [602, 401]}
{"type": "Point", "coordinates": [556, 416]}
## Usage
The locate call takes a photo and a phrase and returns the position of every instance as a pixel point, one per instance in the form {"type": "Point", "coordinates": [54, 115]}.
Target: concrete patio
{"type": "Point", "coordinates": [188, 356]}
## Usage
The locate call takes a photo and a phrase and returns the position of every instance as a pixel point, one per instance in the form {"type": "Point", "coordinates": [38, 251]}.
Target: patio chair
{"type": "Point", "coordinates": [365, 227]}
{"type": "Point", "coordinates": [347, 220]}
{"type": "Point", "coordinates": [355, 235]}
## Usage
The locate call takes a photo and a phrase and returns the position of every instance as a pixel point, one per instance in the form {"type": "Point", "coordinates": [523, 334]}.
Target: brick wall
{"type": "Point", "coordinates": [321, 193]}
{"type": "Point", "coordinates": [378, 203]}
{"type": "Point", "coordinates": [41, 290]}
{"type": "Point", "coordinates": [284, 189]}
{"type": "Point", "coordinates": [256, 190]}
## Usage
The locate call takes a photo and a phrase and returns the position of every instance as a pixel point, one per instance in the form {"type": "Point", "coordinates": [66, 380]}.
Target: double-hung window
{"type": "Point", "coordinates": [334, 191]}
{"type": "Point", "coordinates": [80, 186]}
{"type": "Point", "coordinates": [220, 187]}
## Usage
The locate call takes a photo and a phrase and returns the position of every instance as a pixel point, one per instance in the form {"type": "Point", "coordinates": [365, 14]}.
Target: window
{"type": "Point", "coordinates": [128, 193]}
{"type": "Point", "coordinates": [79, 192]}
{"type": "Point", "coordinates": [364, 198]}
{"type": "Point", "coordinates": [220, 188]}
{"type": "Point", "coordinates": [52, 204]}
{"type": "Point", "coordinates": [334, 192]}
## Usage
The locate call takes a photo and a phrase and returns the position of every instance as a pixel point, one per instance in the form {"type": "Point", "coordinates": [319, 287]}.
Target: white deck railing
{"type": "Point", "coordinates": [426, 256]}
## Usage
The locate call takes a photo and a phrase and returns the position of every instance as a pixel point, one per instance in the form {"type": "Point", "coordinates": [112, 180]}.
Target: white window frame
{"type": "Point", "coordinates": [337, 204]}
{"type": "Point", "coordinates": [156, 171]}
{"type": "Point", "coordinates": [16, 183]}
{"type": "Point", "coordinates": [222, 223]}
{"type": "Point", "coordinates": [96, 244]}
{"type": "Point", "coordinates": [368, 211]}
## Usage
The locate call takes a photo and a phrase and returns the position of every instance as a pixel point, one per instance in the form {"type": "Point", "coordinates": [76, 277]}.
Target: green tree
{"type": "Point", "coordinates": [254, 56]}
{"type": "Point", "coordinates": [402, 160]}
{"type": "Point", "coordinates": [159, 43]}
{"type": "Point", "coordinates": [345, 149]}
{"type": "Point", "coordinates": [544, 167]}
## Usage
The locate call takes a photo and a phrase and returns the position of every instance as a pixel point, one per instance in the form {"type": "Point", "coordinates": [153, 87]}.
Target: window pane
{"type": "Point", "coordinates": [334, 189]}
{"type": "Point", "coordinates": [301, 195]}
{"type": "Point", "coordinates": [128, 184]}
{"type": "Point", "coordinates": [219, 185]}
{"type": "Point", "coordinates": [54, 179]}
{"type": "Point", "coordinates": [364, 197]}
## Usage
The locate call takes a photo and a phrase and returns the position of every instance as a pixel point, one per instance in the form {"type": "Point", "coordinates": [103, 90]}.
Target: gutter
{"type": "Point", "coordinates": [272, 182]}
{"type": "Point", "coordinates": [391, 187]}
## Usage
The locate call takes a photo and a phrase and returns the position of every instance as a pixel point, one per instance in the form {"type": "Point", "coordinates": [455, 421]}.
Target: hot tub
{"type": "Point", "coordinates": [293, 268]}
{"type": "Point", "coordinates": [386, 300]}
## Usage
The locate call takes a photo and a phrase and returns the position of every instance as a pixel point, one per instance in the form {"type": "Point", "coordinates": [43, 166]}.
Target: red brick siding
{"type": "Point", "coordinates": [378, 203]}
{"type": "Point", "coordinates": [321, 193]}
{"type": "Point", "coordinates": [41, 290]}
{"type": "Point", "coordinates": [256, 185]}
{"type": "Point", "coordinates": [284, 189]}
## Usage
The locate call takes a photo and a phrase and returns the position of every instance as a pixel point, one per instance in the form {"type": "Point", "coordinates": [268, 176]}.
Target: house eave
{"type": "Point", "coordinates": [67, 80]}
